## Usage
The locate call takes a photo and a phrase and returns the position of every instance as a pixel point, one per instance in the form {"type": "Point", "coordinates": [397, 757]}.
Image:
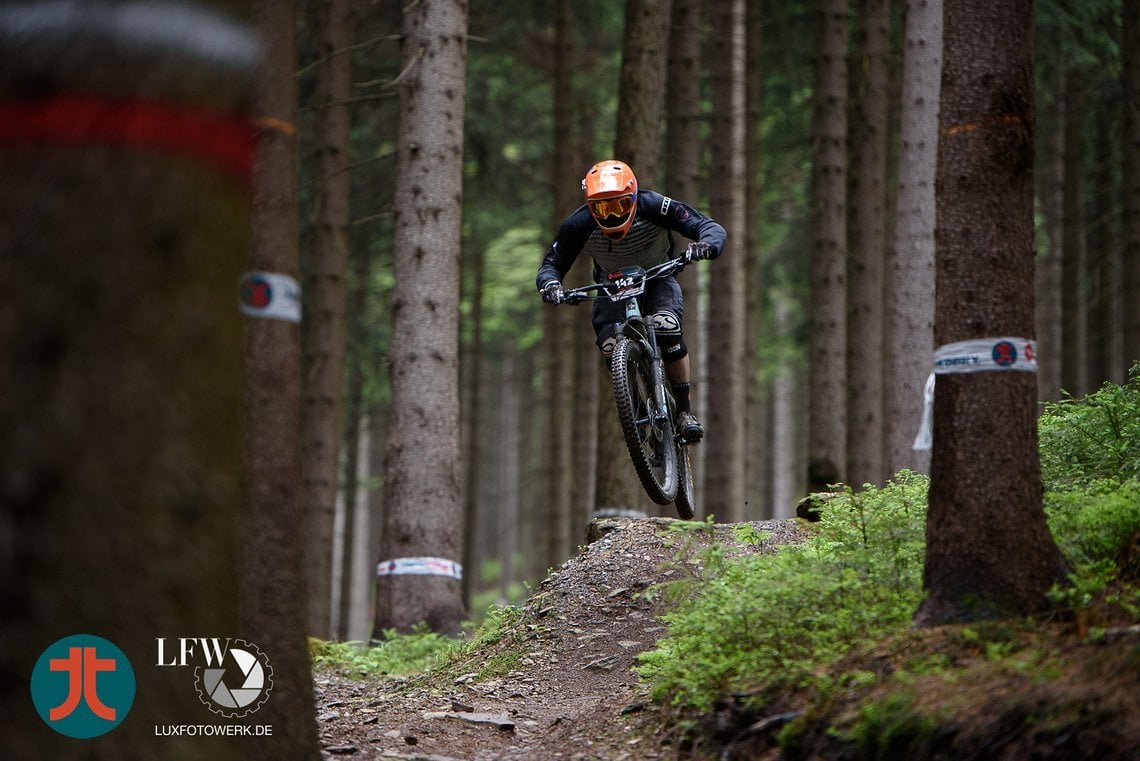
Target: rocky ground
{"type": "Point", "coordinates": [560, 684]}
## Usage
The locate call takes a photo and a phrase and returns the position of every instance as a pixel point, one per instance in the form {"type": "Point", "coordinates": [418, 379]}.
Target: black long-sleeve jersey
{"type": "Point", "coordinates": [649, 240]}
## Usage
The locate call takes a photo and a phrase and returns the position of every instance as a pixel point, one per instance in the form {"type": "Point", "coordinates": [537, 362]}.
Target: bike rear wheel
{"type": "Point", "coordinates": [648, 430]}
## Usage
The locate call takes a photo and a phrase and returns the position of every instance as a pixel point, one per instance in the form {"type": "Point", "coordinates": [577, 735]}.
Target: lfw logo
{"type": "Point", "coordinates": [233, 677]}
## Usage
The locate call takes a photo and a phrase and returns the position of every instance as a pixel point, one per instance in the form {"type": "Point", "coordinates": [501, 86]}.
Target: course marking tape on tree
{"type": "Point", "coordinates": [420, 567]}
{"type": "Point", "coordinates": [270, 295]}
{"type": "Point", "coordinates": [978, 355]}
{"type": "Point", "coordinates": [985, 354]}
{"type": "Point", "coordinates": [52, 34]}
{"type": "Point", "coordinates": [225, 141]}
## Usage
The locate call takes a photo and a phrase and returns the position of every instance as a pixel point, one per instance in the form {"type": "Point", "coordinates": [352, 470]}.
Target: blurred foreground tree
{"type": "Point", "coordinates": [124, 203]}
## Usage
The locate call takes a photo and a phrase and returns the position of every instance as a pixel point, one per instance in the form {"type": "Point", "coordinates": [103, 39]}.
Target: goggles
{"type": "Point", "coordinates": [619, 207]}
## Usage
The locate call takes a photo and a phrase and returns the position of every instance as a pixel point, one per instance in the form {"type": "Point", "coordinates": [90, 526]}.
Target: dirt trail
{"type": "Point", "coordinates": [568, 691]}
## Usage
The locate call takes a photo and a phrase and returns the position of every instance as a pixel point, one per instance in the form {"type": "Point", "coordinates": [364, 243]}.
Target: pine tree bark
{"type": "Point", "coordinates": [1130, 153]}
{"type": "Point", "coordinates": [827, 352]}
{"type": "Point", "coordinates": [1047, 277]}
{"type": "Point", "coordinates": [910, 327]}
{"type": "Point", "coordinates": [473, 391]}
{"type": "Point", "coordinates": [725, 442]}
{"type": "Point", "coordinates": [682, 180]}
{"type": "Point", "coordinates": [324, 340]}
{"type": "Point", "coordinates": [589, 367]}
{"type": "Point", "coordinates": [557, 324]}
{"type": "Point", "coordinates": [509, 512]}
{"type": "Point", "coordinates": [355, 421]}
{"type": "Point", "coordinates": [641, 91]}
{"type": "Point", "coordinates": [423, 475]}
{"type": "Point", "coordinates": [272, 586]}
{"type": "Point", "coordinates": [867, 239]}
{"type": "Point", "coordinates": [1103, 357]}
{"type": "Point", "coordinates": [757, 424]}
{"type": "Point", "coordinates": [985, 474]}
{"type": "Point", "coordinates": [1074, 319]}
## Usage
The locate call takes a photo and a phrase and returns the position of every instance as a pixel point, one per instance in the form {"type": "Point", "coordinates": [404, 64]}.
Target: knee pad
{"type": "Point", "coordinates": [607, 339]}
{"type": "Point", "coordinates": [667, 325]}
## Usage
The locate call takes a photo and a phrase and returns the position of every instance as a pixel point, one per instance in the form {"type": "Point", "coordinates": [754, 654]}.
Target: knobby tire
{"type": "Point", "coordinates": [648, 436]}
{"type": "Point", "coordinates": [686, 494]}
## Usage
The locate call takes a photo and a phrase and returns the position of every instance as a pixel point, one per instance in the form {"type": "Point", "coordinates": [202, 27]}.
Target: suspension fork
{"type": "Point", "coordinates": [660, 386]}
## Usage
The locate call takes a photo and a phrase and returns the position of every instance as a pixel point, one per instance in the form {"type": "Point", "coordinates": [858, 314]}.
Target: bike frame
{"type": "Point", "coordinates": [657, 450]}
{"type": "Point", "coordinates": [627, 287]}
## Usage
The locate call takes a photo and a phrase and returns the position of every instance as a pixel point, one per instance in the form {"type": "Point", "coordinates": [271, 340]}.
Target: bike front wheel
{"type": "Point", "coordinates": [647, 428]}
{"type": "Point", "coordinates": [686, 492]}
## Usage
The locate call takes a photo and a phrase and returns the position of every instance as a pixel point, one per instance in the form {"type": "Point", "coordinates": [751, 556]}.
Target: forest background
{"type": "Point", "coordinates": [175, 470]}
{"type": "Point", "coordinates": [528, 461]}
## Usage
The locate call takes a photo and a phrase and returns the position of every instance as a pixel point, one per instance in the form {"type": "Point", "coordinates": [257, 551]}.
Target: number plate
{"type": "Point", "coordinates": [626, 283]}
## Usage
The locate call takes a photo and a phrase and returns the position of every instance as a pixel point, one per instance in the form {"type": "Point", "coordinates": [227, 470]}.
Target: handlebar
{"type": "Point", "coordinates": [587, 292]}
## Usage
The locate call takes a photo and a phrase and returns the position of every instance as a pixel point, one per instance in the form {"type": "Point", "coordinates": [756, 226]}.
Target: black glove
{"type": "Point", "coordinates": [697, 251]}
{"type": "Point", "coordinates": [552, 293]}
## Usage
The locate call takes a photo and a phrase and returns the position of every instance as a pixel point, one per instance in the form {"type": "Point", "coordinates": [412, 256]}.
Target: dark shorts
{"type": "Point", "coordinates": [661, 295]}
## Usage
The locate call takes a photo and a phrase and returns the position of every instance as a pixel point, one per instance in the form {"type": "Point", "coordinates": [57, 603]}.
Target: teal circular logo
{"type": "Point", "coordinates": [83, 686]}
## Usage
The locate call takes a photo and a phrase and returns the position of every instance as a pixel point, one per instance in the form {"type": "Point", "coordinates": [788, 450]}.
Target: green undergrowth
{"type": "Point", "coordinates": [759, 628]}
{"type": "Point", "coordinates": [491, 649]}
{"type": "Point", "coordinates": [771, 619]}
{"type": "Point", "coordinates": [494, 649]}
{"type": "Point", "coordinates": [1090, 463]}
{"type": "Point", "coordinates": [1094, 440]}
{"type": "Point", "coordinates": [394, 655]}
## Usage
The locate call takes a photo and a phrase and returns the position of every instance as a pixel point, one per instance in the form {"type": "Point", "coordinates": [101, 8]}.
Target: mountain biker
{"type": "Point", "coordinates": [620, 226]}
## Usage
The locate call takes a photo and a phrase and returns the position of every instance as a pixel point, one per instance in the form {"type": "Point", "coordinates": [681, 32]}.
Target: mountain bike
{"type": "Point", "coordinates": [645, 404]}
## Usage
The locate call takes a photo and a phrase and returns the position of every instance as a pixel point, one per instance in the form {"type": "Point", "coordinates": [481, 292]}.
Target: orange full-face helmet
{"type": "Point", "coordinates": [611, 195]}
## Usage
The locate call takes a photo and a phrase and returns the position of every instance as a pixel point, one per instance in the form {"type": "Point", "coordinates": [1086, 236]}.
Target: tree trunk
{"type": "Point", "coordinates": [1130, 152]}
{"type": "Point", "coordinates": [642, 95]}
{"type": "Point", "coordinates": [985, 474]}
{"type": "Point", "coordinates": [910, 329]}
{"type": "Point", "coordinates": [273, 592]}
{"type": "Point", "coordinates": [324, 339]}
{"type": "Point", "coordinates": [1074, 319]}
{"type": "Point", "coordinates": [355, 418]}
{"type": "Point", "coordinates": [588, 368]}
{"type": "Point", "coordinates": [423, 476]}
{"type": "Point", "coordinates": [1103, 356]}
{"type": "Point", "coordinates": [508, 514]}
{"type": "Point", "coordinates": [757, 425]}
{"type": "Point", "coordinates": [591, 402]}
{"type": "Point", "coordinates": [473, 389]}
{"type": "Point", "coordinates": [682, 180]}
{"type": "Point", "coordinates": [641, 90]}
{"type": "Point", "coordinates": [558, 323]}
{"type": "Point", "coordinates": [357, 596]}
{"type": "Point", "coordinates": [124, 211]}
{"type": "Point", "coordinates": [827, 434]}
{"type": "Point", "coordinates": [868, 239]}
{"type": "Point", "coordinates": [1047, 276]}
{"type": "Point", "coordinates": [725, 442]}
{"type": "Point", "coordinates": [787, 477]}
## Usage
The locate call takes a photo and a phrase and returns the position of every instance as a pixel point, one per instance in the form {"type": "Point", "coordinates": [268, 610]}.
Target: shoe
{"type": "Point", "coordinates": [689, 427]}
